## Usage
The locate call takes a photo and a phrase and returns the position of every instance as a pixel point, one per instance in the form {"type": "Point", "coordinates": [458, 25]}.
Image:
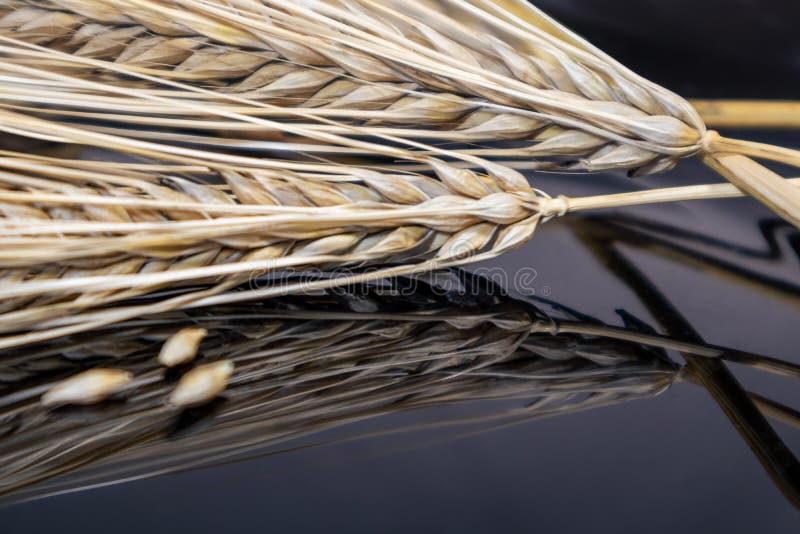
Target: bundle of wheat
{"type": "Point", "coordinates": [78, 236]}
{"type": "Point", "coordinates": [331, 72]}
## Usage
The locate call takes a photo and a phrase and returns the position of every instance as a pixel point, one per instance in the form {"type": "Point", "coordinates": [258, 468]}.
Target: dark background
{"type": "Point", "coordinates": [698, 48]}
{"type": "Point", "coordinates": [667, 465]}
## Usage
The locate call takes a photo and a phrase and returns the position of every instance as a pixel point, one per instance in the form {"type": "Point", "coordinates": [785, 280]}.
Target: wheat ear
{"type": "Point", "coordinates": [76, 239]}
{"type": "Point", "coordinates": [463, 58]}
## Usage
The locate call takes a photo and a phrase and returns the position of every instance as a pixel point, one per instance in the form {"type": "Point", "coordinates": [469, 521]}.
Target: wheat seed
{"type": "Point", "coordinates": [202, 384]}
{"type": "Point", "coordinates": [88, 387]}
{"type": "Point", "coordinates": [181, 348]}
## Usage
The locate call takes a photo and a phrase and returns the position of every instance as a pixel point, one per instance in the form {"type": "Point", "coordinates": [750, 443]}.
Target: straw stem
{"type": "Point", "coordinates": [749, 113]}
{"type": "Point", "coordinates": [656, 196]}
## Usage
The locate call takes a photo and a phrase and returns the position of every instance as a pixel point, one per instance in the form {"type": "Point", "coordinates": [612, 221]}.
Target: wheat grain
{"type": "Point", "coordinates": [202, 384]}
{"type": "Point", "coordinates": [88, 387]}
{"type": "Point", "coordinates": [181, 348]}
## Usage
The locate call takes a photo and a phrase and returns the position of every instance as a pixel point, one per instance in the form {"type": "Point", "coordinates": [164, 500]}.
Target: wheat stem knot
{"type": "Point", "coordinates": [551, 207]}
{"type": "Point", "coordinates": [709, 142]}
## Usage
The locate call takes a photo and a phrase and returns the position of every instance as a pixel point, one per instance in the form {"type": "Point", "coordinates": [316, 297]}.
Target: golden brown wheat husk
{"type": "Point", "coordinates": [76, 239]}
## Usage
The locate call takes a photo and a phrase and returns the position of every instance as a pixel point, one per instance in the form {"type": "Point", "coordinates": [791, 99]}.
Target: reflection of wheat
{"type": "Point", "coordinates": [302, 368]}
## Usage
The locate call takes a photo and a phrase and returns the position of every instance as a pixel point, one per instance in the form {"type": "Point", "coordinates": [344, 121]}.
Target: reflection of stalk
{"type": "Point", "coordinates": [726, 260]}
{"type": "Point", "coordinates": [711, 373]}
{"type": "Point", "coordinates": [306, 365]}
{"type": "Point", "coordinates": [772, 365]}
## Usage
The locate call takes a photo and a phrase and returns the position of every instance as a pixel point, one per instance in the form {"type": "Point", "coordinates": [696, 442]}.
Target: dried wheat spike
{"type": "Point", "coordinates": [336, 85]}
{"type": "Point", "coordinates": [463, 70]}
{"type": "Point", "coordinates": [78, 238]}
{"type": "Point", "coordinates": [75, 239]}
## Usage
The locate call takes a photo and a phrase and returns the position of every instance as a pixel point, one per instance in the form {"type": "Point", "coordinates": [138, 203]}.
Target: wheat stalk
{"type": "Point", "coordinates": [760, 114]}
{"type": "Point", "coordinates": [473, 69]}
